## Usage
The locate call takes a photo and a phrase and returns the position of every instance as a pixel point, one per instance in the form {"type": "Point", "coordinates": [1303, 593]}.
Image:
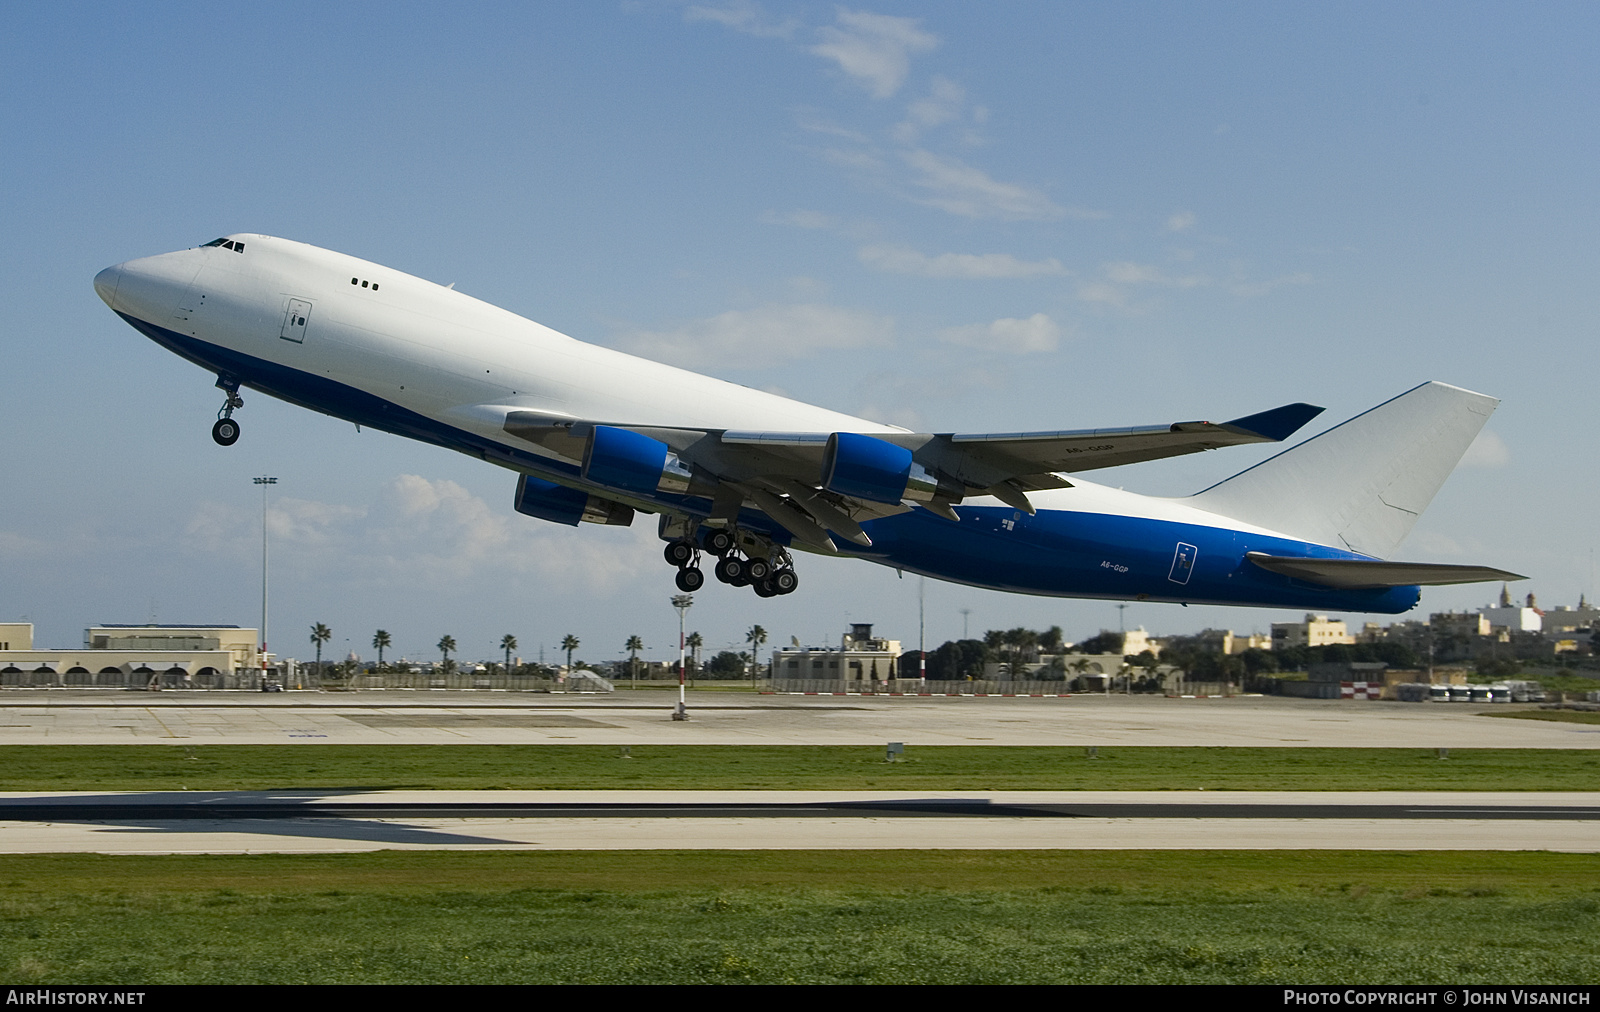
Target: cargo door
{"type": "Point", "coordinates": [1183, 563]}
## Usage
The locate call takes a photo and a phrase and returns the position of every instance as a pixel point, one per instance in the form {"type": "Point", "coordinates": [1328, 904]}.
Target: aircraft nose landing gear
{"type": "Point", "coordinates": [226, 431]}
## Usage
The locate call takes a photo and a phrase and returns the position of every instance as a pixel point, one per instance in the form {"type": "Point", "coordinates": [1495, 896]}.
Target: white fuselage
{"type": "Point", "coordinates": [379, 347]}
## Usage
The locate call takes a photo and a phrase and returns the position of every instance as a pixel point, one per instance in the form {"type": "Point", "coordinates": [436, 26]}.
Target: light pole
{"type": "Point", "coordinates": [922, 632]}
{"type": "Point", "coordinates": [264, 481]}
{"type": "Point", "coordinates": [682, 602]}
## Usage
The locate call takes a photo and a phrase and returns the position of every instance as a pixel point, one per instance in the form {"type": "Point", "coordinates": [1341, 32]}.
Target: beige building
{"type": "Point", "coordinates": [860, 657]}
{"type": "Point", "coordinates": [1314, 631]}
{"type": "Point", "coordinates": [207, 656]}
{"type": "Point", "coordinates": [1463, 624]}
{"type": "Point", "coordinates": [1562, 619]}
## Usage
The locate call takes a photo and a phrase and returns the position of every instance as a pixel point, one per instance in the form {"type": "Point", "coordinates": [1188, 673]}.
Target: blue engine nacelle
{"type": "Point", "coordinates": [865, 467]}
{"type": "Point", "coordinates": [633, 462]}
{"type": "Point", "coordinates": [562, 505]}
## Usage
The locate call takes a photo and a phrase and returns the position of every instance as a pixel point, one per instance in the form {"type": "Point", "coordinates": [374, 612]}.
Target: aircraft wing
{"type": "Point", "coordinates": [815, 484]}
{"type": "Point", "coordinates": [986, 459]}
{"type": "Point", "coordinates": [1365, 574]}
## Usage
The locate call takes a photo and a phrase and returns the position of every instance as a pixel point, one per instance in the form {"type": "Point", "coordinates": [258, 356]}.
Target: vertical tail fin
{"type": "Point", "coordinates": [1360, 485]}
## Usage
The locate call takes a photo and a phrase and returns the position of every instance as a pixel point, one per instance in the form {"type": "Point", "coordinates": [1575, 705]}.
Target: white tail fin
{"type": "Point", "coordinates": [1360, 485]}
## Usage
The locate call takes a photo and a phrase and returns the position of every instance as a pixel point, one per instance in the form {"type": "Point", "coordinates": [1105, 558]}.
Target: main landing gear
{"type": "Point", "coordinates": [768, 576]}
{"type": "Point", "coordinates": [684, 555]}
{"type": "Point", "coordinates": [226, 431]}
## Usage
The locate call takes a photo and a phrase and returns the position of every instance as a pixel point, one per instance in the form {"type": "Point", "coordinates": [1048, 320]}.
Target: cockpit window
{"type": "Point", "coordinates": [226, 243]}
{"type": "Point", "coordinates": [216, 242]}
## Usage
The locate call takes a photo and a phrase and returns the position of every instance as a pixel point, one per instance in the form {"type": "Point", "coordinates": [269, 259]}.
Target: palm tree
{"type": "Point", "coordinates": [446, 644]}
{"type": "Point", "coordinates": [693, 641]}
{"type": "Point", "coordinates": [380, 639]}
{"type": "Point", "coordinates": [634, 645]}
{"type": "Point", "coordinates": [508, 643]}
{"type": "Point", "coordinates": [320, 634]}
{"type": "Point", "coordinates": [569, 643]}
{"type": "Point", "coordinates": [755, 637]}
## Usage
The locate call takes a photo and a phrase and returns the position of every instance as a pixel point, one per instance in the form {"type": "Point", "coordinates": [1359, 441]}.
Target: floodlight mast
{"type": "Point", "coordinates": [922, 634]}
{"type": "Point", "coordinates": [264, 481]}
{"type": "Point", "coordinates": [682, 602]}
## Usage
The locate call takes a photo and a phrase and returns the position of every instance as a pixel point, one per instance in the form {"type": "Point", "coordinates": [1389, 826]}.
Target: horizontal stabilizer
{"type": "Point", "coordinates": [1364, 574]}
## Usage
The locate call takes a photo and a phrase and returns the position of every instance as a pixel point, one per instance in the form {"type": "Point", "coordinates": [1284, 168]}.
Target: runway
{"type": "Point", "coordinates": [331, 821]}
{"type": "Point", "coordinates": [718, 718]}
{"type": "Point", "coordinates": [327, 822]}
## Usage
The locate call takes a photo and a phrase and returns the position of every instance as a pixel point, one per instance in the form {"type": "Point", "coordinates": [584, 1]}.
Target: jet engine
{"type": "Point", "coordinates": [865, 467]}
{"type": "Point", "coordinates": [633, 462]}
{"type": "Point", "coordinates": [562, 505]}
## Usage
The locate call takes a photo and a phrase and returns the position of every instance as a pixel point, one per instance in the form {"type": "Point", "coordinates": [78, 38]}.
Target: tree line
{"type": "Point", "coordinates": [726, 664]}
{"type": "Point", "coordinates": [1200, 661]}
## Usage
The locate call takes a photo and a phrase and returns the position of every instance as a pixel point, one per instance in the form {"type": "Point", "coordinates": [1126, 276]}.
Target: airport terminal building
{"type": "Point", "coordinates": [133, 656]}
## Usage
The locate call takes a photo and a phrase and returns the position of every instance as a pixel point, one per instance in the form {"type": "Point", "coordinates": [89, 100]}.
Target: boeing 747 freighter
{"type": "Point", "coordinates": [748, 478]}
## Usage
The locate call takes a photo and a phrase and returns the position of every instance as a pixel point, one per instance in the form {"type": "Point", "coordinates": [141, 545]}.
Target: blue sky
{"type": "Point", "coordinates": [951, 216]}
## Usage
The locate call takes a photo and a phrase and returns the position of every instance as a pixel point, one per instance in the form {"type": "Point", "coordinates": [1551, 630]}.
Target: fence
{"type": "Point", "coordinates": [578, 681]}
{"type": "Point", "coordinates": [140, 678]}
{"type": "Point", "coordinates": [914, 687]}
{"type": "Point", "coordinates": [250, 679]}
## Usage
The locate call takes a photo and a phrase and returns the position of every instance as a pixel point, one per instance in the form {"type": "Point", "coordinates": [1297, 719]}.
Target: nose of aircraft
{"type": "Point", "coordinates": [105, 284]}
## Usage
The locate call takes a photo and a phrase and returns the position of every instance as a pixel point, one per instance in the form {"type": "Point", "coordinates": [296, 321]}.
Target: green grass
{"type": "Point", "coordinates": [802, 916]}
{"type": "Point", "coordinates": [785, 767]}
{"type": "Point", "coordinates": [1561, 683]}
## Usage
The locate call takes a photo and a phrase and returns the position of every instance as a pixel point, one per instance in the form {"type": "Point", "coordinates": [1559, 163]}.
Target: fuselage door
{"type": "Point", "coordinates": [294, 320]}
{"type": "Point", "coordinates": [1183, 563]}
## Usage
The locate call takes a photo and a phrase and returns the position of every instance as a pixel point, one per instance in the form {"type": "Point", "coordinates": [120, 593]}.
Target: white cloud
{"type": "Point", "coordinates": [1103, 292]}
{"type": "Point", "coordinates": [809, 119]}
{"type": "Point", "coordinates": [1128, 273]}
{"type": "Point", "coordinates": [422, 532]}
{"type": "Point", "coordinates": [1254, 289]}
{"type": "Point", "coordinates": [1182, 221]}
{"type": "Point", "coordinates": [873, 49]}
{"type": "Point", "coordinates": [744, 16]}
{"type": "Point", "coordinates": [1488, 450]}
{"type": "Point", "coordinates": [864, 161]}
{"type": "Point", "coordinates": [945, 102]}
{"type": "Point", "coordinates": [14, 546]}
{"type": "Point", "coordinates": [954, 186]}
{"type": "Point", "coordinates": [766, 336]}
{"type": "Point", "coordinates": [1038, 333]}
{"type": "Point", "coordinates": [1123, 276]}
{"type": "Point", "coordinates": [904, 260]}
{"type": "Point", "coordinates": [799, 219]}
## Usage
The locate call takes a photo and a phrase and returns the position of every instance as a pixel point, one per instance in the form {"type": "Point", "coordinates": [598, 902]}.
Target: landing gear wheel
{"type": "Point", "coordinates": [678, 553]}
{"type": "Point", "coordinates": [758, 569]}
{"type": "Point", "coordinates": [764, 589]}
{"type": "Point", "coordinates": [718, 543]}
{"type": "Point", "coordinates": [225, 432]}
{"type": "Point", "coordinates": [690, 579]}
{"type": "Point", "coordinates": [784, 581]}
{"type": "Point", "coordinates": [730, 569]}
